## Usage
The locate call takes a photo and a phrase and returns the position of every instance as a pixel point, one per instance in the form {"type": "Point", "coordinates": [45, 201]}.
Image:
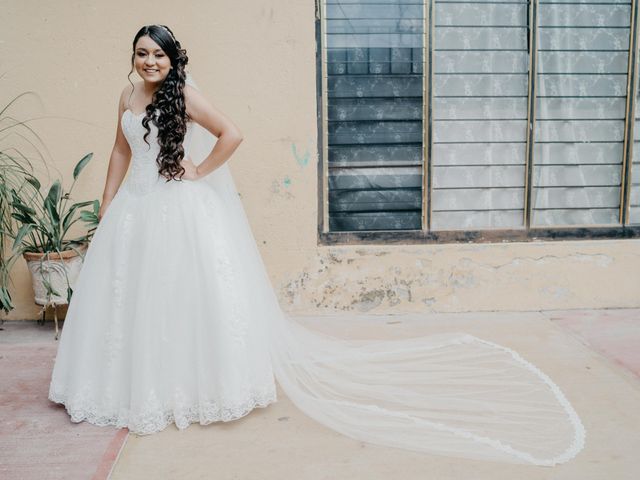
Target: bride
{"type": "Point", "coordinates": [173, 318]}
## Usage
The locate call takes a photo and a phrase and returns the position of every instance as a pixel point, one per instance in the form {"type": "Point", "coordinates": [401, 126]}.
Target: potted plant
{"type": "Point", "coordinates": [44, 223]}
{"type": "Point", "coordinates": [33, 225]}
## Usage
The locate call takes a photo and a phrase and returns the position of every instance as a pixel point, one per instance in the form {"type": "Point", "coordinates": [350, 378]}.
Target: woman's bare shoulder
{"type": "Point", "coordinates": [127, 91]}
{"type": "Point", "coordinates": [130, 87]}
{"type": "Point", "coordinates": [190, 93]}
{"type": "Point", "coordinates": [194, 99]}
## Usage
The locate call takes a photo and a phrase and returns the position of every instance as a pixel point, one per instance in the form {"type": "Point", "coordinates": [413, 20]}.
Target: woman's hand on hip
{"type": "Point", "coordinates": [191, 170]}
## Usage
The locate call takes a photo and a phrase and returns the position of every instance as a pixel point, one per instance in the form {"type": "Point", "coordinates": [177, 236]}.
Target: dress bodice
{"type": "Point", "coordinates": [143, 172]}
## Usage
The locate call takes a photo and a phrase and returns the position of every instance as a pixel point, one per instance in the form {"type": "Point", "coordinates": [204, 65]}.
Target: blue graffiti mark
{"type": "Point", "coordinates": [287, 181]}
{"type": "Point", "coordinates": [302, 160]}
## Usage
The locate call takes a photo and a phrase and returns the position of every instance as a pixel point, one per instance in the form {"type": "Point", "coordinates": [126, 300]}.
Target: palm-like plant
{"type": "Point", "coordinates": [46, 220]}
{"type": "Point", "coordinates": [31, 221]}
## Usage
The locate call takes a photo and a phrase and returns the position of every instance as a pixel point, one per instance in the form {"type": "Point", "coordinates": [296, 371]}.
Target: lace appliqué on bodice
{"type": "Point", "coordinates": [143, 175]}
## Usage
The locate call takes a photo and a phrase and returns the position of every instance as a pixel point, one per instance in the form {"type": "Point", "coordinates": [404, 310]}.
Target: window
{"type": "Point", "coordinates": [374, 66]}
{"type": "Point", "coordinates": [479, 97]}
{"type": "Point", "coordinates": [583, 58]}
{"type": "Point", "coordinates": [477, 120]}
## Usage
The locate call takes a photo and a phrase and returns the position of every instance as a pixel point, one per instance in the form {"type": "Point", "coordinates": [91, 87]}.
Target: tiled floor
{"type": "Point", "coordinates": [37, 440]}
{"type": "Point", "coordinates": [592, 354]}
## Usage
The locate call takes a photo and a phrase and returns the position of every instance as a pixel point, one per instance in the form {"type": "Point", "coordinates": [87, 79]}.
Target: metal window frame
{"type": "Point", "coordinates": [632, 82]}
{"type": "Point", "coordinates": [425, 235]}
{"type": "Point", "coordinates": [427, 114]}
{"type": "Point", "coordinates": [531, 110]}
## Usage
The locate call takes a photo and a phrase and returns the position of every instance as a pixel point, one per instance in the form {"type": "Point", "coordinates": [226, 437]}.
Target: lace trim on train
{"type": "Point", "coordinates": [577, 443]}
{"type": "Point", "coordinates": [579, 435]}
{"type": "Point", "coordinates": [84, 408]}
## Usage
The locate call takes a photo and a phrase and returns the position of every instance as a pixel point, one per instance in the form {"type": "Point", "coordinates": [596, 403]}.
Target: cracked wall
{"type": "Point", "coordinates": [464, 277]}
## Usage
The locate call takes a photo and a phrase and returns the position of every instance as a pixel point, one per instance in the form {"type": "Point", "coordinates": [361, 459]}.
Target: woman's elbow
{"type": "Point", "coordinates": [232, 135]}
{"type": "Point", "coordinates": [237, 137]}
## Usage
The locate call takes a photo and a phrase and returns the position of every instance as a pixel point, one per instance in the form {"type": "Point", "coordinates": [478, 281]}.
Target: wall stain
{"type": "Point", "coordinates": [347, 279]}
{"type": "Point", "coordinates": [281, 188]}
{"type": "Point", "coordinates": [301, 159]}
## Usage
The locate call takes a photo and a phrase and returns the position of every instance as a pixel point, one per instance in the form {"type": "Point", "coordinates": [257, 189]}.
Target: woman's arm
{"type": "Point", "coordinates": [204, 113]}
{"type": "Point", "coordinates": [120, 158]}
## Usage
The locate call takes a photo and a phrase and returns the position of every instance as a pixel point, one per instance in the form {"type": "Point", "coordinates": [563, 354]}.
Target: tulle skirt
{"type": "Point", "coordinates": [161, 327]}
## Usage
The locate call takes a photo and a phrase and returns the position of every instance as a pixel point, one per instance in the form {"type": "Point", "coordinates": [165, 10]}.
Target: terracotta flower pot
{"type": "Point", "coordinates": [55, 268]}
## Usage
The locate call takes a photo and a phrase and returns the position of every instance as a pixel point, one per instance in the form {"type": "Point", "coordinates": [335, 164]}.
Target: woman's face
{"type": "Point", "coordinates": [151, 63]}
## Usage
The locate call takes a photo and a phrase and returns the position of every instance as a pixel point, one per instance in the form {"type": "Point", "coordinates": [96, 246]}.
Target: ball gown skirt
{"type": "Point", "coordinates": [161, 325]}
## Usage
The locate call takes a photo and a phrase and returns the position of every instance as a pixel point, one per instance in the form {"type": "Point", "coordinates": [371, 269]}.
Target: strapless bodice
{"type": "Point", "coordinates": [143, 171]}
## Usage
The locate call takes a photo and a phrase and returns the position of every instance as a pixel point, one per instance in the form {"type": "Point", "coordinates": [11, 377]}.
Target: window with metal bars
{"type": "Point", "coordinates": [374, 66]}
{"type": "Point", "coordinates": [447, 117]}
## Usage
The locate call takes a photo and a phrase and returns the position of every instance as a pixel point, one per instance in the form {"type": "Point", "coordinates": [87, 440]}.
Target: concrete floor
{"type": "Point", "coordinates": [591, 354]}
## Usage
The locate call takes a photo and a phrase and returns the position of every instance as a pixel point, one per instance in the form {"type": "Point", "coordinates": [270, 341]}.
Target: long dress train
{"type": "Point", "coordinates": [174, 319]}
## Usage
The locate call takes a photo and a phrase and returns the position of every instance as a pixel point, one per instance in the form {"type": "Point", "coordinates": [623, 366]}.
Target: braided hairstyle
{"type": "Point", "coordinates": [167, 109]}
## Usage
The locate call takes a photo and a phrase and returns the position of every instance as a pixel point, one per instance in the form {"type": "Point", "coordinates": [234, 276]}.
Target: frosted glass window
{"type": "Point", "coordinates": [479, 114]}
{"type": "Point", "coordinates": [583, 54]}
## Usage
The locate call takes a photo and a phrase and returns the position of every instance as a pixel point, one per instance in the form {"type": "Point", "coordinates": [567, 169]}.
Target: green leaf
{"type": "Point", "coordinates": [68, 217]}
{"type": "Point", "coordinates": [81, 164]}
{"type": "Point", "coordinates": [5, 300]}
{"type": "Point", "coordinates": [22, 232]}
{"type": "Point", "coordinates": [34, 181]}
{"type": "Point", "coordinates": [51, 205]}
{"type": "Point", "coordinates": [23, 208]}
{"type": "Point", "coordinates": [22, 212]}
{"type": "Point", "coordinates": [89, 217]}
{"type": "Point", "coordinates": [22, 218]}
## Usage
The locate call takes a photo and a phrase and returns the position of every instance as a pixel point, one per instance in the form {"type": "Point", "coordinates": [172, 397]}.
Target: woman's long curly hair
{"type": "Point", "coordinates": [167, 108]}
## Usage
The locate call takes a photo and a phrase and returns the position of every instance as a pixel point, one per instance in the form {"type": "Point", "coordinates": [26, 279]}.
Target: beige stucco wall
{"type": "Point", "coordinates": [256, 62]}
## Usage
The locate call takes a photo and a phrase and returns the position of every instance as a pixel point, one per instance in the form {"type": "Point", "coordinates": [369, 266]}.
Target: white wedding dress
{"type": "Point", "coordinates": [173, 319]}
